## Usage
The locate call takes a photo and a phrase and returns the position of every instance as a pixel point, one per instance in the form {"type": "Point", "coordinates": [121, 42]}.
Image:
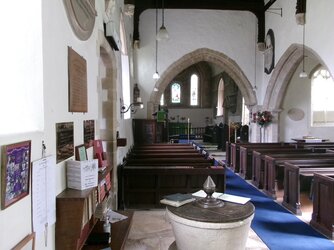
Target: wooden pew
{"type": "Point", "coordinates": [258, 161]}
{"type": "Point", "coordinates": [167, 161]}
{"type": "Point", "coordinates": [246, 155]}
{"type": "Point", "coordinates": [315, 144]}
{"type": "Point", "coordinates": [235, 151]}
{"type": "Point", "coordinates": [149, 172]}
{"type": "Point", "coordinates": [228, 153]}
{"type": "Point", "coordinates": [292, 174]}
{"type": "Point", "coordinates": [273, 161]}
{"type": "Point", "coordinates": [163, 145]}
{"type": "Point", "coordinates": [144, 187]}
{"type": "Point", "coordinates": [165, 155]}
{"type": "Point", "coordinates": [323, 205]}
{"type": "Point", "coordinates": [166, 150]}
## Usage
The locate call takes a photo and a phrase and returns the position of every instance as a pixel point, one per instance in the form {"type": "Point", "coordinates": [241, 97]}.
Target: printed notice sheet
{"type": "Point", "coordinates": [224, 197]}
{"type": "Point", "coordinates": [43, 194]}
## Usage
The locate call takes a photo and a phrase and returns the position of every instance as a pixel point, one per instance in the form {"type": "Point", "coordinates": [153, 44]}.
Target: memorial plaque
{"type": "Point", "coordinates": [77, 82]}
{"type": "Point", "coordinates": [64, 137]}
{"type": "Point", "coordinates": [89, 132]}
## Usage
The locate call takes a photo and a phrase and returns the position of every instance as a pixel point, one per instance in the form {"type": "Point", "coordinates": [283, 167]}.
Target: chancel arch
{"type": "Point", "coordinates": [220, 59]}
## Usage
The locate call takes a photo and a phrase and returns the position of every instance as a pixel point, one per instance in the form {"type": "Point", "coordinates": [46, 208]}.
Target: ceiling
{"type": "Point", "coordinates": [258, 7]}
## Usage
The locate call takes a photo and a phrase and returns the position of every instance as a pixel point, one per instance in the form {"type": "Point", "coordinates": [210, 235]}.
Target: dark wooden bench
{"type": "Point", "coordinates": [144, 187]}
{"type": "Point", "coordinates": [315, 144]}
{"type": "Point", "coordinates": [323, 205]}
{"type": "Point", "coordinates": [166, 150]}
{"type": "Point", "coordinates": [273, 161]}
{"type": "Point", "coordinates": [292, 174]}
{"type": "Point", "coordinates": [174, 155]}
{"type": "Point", "coordinates": [168, 161]}
{"type": "Point", "coordinates": [258, 161]}
{"type": "Point", "coordinates": [246, 155]}
{"type": "Point", "coordinates": [235, 151]}
{"type": "Point", "coordinates": [228, 153]}
{"type": "Point", "coordinates": [163, 146]}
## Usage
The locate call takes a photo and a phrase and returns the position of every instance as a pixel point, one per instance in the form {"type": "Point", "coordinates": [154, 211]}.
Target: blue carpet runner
{"type": "Point", "coordinates": [276, 226]}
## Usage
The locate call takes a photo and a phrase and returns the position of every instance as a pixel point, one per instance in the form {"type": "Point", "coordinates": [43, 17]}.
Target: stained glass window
{"type": "Point", "coordinates": [194, 90]}
{"type": "Point", "coordinates": [176, 93]}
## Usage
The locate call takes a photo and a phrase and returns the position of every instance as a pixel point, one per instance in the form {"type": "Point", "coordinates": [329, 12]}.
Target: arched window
{"type": "Point", "coordinates": [176, 93]}
{"type": "Point", "coordinates": [220, 98]}
{"type": "Point", "coordinates": [322, 101]}
{"type": "Point", "coordinates": [194, 90]}
{"type": "Point", "coordinates": [162, 100]}
{"type": "Point", "coordinates": [245, 113]}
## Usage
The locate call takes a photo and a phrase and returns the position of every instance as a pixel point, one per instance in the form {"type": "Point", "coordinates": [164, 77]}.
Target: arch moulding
{"type": "Point", "coordinates": [208, 55]}
{"type": "Point", "coordinates": [279, 82]}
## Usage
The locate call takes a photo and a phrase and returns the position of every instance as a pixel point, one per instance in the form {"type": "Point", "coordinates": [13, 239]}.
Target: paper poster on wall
{"type": "Point", "coordinates": [43, 194]}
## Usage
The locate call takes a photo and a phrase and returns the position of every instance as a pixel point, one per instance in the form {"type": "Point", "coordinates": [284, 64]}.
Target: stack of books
{"type": "Point", "coordinates": [177, 199]}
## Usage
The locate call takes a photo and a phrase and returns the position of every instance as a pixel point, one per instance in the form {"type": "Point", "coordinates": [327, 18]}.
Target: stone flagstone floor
{"type": "Point", "coordinates": [151, 231]}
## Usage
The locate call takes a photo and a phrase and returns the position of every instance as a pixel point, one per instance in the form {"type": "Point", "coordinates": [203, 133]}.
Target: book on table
{"type": "Point", "coordinates": [177, 199]}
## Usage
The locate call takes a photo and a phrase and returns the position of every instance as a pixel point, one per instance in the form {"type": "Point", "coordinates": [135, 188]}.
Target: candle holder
{"type": "Point", "coordinates": [209, 201]}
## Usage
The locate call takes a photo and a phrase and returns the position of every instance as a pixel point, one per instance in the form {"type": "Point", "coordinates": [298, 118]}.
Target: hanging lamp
{"type": "Point", "coordinates": [303, 74]}
{"type": "Point", "coordinates": [156, 74]}
{"type": "Point", "coordinates": [163, 33]}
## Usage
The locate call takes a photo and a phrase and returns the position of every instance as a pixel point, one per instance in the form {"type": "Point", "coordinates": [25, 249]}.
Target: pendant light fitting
{"type": "Point", "coordinates": [156, 74]}
{"type": "Point", "coordinates": [303, 74]}
{"type": "Point", "coordinates": [163, 33]}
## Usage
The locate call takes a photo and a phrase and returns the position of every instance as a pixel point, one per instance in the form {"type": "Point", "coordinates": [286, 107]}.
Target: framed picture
{"type": "Point", "coordinates": [28, 243]}
{"type": "Point", "coordinates": [15, 172]}
{"type": "Point", "coordinates": [89, 132]}
{"type": "Point", "coordinates": [81, 153]}
{"type": "Point", "coordinates": [65, 140]}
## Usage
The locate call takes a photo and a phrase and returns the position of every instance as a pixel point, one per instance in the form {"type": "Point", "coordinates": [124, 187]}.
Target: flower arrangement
{"type": "Point", "coordinates": [262, 118]}
{"type": "Point", "coordinates": [235, 125]}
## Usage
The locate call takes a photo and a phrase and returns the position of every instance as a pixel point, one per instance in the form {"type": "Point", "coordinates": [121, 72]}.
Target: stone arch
{"type": "Point", "coordinates": [108, 105]}
{"type": "Point", "coordinates": [279, 82]}
{"type": "Point", "coordinates": [208, 55]}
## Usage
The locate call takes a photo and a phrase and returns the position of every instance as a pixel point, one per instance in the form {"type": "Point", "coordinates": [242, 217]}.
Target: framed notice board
{"type": "Point", "coordinates": [77, 82]}
{"type": "Point", "coordinates": [65, 141]}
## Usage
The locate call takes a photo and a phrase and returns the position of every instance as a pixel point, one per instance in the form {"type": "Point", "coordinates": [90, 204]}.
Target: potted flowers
{"type": "Point", "coordinates": [262, 118]}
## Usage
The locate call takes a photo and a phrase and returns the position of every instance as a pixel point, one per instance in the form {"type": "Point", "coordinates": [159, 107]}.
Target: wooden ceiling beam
{"type": "Point", "coordinates": [254, 6]}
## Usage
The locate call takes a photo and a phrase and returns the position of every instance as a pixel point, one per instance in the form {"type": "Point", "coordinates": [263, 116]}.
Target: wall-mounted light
{"type": "Point", "coordinates": [303, 74]}
{"type": "Point", "coordinates": [133, 106]}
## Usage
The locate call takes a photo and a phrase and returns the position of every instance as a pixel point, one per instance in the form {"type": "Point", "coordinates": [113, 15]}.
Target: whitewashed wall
{"type": "Point", "coordinates": [318, 39]}
{"type": "Point", "coordinates": [232, 33]}
{"type": "Point", "coordinates": [45, 39]}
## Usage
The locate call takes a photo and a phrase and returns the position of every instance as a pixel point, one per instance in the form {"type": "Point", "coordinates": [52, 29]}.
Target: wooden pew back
{"type": "Point", "coordinates": [323, 205]}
